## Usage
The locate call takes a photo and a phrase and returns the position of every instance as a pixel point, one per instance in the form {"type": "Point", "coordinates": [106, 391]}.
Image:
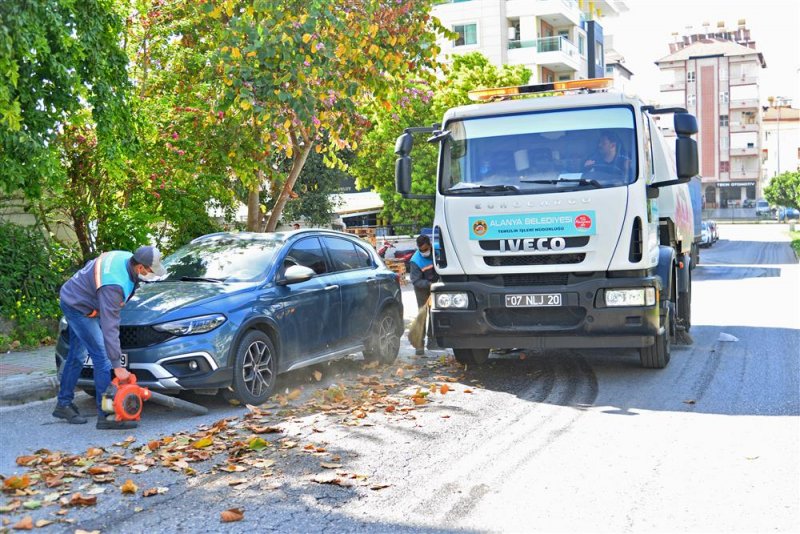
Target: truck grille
{"type": "Point", "coordinates": [535, 279]}
{"type": "Point", "coordinates": [135, 337]}
{"type": "Point", "coordinates": [550, 259]}
{"type": "Point", "coordinates": [567, 316]}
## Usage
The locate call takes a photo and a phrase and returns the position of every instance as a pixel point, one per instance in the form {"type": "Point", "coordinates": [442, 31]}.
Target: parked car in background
{"type": "Point", "coordinates": [786, 214]}
{"type": "Point", "coordinates": [762, 208]}
{"type": "Point", "coordinates": [236, 310]}
{"type": "Point", "coordinates": [706, 239]}
{"type": "Point", "coordinates": [712, 226]}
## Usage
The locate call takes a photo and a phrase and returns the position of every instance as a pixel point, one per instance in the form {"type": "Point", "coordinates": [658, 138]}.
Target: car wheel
{"type": "Point", "coordinates": [383, 343]}
{"type": "Point", "coordinates": [657, 355]}
{"type": "Point", "coordinates": [471, 356]}
{"type": "Point", "coordinates": [255, 368]}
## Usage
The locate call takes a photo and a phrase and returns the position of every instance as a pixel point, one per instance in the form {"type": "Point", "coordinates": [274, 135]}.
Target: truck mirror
{"type": "Point", "coordinates": [404, 144]}
{"type": "Point", "coordinates": [685, 124]}
{"type": "Point", "coordinates": [402, 173]}
{"type": "Point", "coordinates": [686, 159]}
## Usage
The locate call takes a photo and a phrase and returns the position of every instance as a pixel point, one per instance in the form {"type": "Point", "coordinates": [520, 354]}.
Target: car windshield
{"type": "Point", "coordinates": [540, 152]}
{"type": "Point", "coordinates": [222, 259]}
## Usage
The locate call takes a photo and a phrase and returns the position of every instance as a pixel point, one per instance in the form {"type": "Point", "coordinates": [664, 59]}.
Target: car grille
{"type": "Point", "coordinates": [142, 375]}
{"type": "Point", "coordinates": [566, 316]}
{"type": "Point", "coordinates": [136, 337]}
{"type": "Point", "coordinates": [550, 259]}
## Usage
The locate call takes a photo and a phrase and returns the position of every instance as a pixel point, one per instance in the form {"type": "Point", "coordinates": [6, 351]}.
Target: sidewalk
{"type": "Point", "coordinates": [28, 376]}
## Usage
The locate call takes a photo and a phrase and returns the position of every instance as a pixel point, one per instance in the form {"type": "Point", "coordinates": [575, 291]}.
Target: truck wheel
{"type": "Point", "coordinates": [255, 368]}
{"type": "Point", "coordinates": [657, 355]}
{"type": "Point", "coordinates": [383, 343]}
{"type": "Point", "coordinates": [471, 356]}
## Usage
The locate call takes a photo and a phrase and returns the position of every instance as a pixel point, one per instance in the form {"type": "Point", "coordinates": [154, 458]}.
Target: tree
{"type": "Point", "coordinates": [314, 187]}
{"type": "Point", "coordinates": [784, 190]}
{"type": "Point", "coordinates": [56, 58]}
{"type": "Point", "coordinates": [417, 104]}
{"type": "Point", "coordinates": [299, 71]}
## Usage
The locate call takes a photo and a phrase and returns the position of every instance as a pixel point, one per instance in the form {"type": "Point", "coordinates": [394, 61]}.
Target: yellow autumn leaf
{"type": "Point", "coordinates": [251, 53]}
{"type": "Point", "coordinates": [217, 13]}
{"type": "Point", "coordinates": [236, 53]}
{"type": "Point", "coordinates": [129, 487]}
{"type": "Point", "coordinates": [306, 37]}
{"type": "Point", "coordinates": [340, 50]}
{"type": "Point", "coordinates": [373, 29]}
{"type": "Point", "coordinates": [225, 49]}
{"type": "Point", "coordinates": [203, 443]}
{"type": "Point", "coordinates": [245, 105]}
{"type": "Point", "coordinates": [250, 11]}
{"type": "Point", "coordinates": [294, 394]}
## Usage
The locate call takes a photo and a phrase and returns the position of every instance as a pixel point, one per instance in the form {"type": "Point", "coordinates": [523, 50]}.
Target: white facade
{"type": "Point", "coordinates": [550, 37]}
{"type": "Point", "coordinates": [781, 141]}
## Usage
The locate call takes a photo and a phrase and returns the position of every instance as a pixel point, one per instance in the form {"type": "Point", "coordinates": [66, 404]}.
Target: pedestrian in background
{"type": "Point", "coordinates": [91, 301]}
{"type": "Point", "coordinates": [423, 275]}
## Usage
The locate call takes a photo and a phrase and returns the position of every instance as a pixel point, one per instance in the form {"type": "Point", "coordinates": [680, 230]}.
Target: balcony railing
{"type": "Point", "coordinates": [738, 127]}
{"type": "Point", "coordinates": [547, 44]}
{"type": "Point", "coordinates": [674, 86]}
{"type": "Point", "coordinates": [744, 80]}
{"type": "Point", "coordinates": [743, 103]}
{"type": "Point", "coordinates": [744, 151]}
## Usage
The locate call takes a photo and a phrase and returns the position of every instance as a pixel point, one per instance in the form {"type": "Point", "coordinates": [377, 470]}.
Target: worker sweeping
{"type": "Point", "coordinates": [422, 276]}
{"type": "Point", "coordinates": [91, 302]}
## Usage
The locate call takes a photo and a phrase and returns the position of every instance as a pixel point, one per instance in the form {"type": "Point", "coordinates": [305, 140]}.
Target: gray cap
{"type": "Point", "coordinates": [150, 257]}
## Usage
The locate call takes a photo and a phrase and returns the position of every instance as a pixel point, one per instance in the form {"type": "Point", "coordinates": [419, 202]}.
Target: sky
{"type": "Point", "coordinates": [642, 36]}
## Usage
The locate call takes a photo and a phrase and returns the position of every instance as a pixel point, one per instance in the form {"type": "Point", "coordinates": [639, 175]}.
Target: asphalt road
{"type": "Point", "coordinates": [555, 441]}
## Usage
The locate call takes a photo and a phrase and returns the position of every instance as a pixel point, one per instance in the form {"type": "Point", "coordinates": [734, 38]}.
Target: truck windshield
{"type": "Point", "coordinates": [540, 152]}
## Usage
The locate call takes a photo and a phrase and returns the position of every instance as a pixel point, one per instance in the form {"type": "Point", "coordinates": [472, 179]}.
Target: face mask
{"type": "Point", "coordinates": [149, 277]}
{"type": "Point", "coordinates": [426, 254]}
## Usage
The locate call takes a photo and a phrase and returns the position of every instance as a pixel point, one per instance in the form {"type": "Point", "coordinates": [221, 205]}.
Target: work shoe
{"type": "Point", "coordinates": [70, 413]}
{"type": "Point", "coordinates": [109, 423]}
{"type": "Point", "coordinates": [420, 352]}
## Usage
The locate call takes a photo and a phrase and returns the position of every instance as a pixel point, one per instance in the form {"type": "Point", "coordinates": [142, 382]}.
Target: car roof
{"type": "Point", "coordinates": [274, 236]}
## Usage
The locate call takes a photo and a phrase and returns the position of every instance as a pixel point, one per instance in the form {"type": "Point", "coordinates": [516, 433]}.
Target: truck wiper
{"type": "Point", "coordinates": [200, 279]}
{"type": "Point", "coordinates": [578, 181]}
{"type": "Point", "coordinates": [498, 188]}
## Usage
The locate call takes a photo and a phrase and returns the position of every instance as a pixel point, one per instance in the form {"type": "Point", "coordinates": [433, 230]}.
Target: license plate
{"type": "Point", "coordinates": [123, 359]}
{"type": "Point", "coordinates": [534, 300]}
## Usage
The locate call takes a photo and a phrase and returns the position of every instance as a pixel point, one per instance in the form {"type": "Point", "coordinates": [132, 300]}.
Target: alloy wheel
{"type": "Point", "coordinates": [257, 369]}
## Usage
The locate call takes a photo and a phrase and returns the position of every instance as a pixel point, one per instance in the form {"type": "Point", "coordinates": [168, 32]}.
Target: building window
{"type": "Point", "coordinates": [724, 166]}
{"type": "Point", "coordinates": [723, 120]}
{"type": "Point", "coordinates": [690, 77]}
{"type": "Point", "coordinates": [723, 97]}
{"type": "Point", "coordinates": [582, 44]}
{"type": "Point", "coordinates": [690, 100]}
{"type": "Point", "coordinates": [467, 34]}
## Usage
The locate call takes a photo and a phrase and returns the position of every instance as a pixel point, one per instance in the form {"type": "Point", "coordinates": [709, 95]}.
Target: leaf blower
{"type": "Point", "coordinates": [126, 400]}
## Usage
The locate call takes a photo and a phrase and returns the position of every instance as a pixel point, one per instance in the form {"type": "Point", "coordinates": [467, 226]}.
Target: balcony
{"type": "Point", "coordinates": [745, 103]}
{"type": "Point", "coordinates": [739, 127]}
{"type": "Point", "coordinates": [744, 151]}
{"type": "Point", "coordinates": [557, 12]}
{"type": "Point", "coordinates": [555, 53]}
{"type": "Point", "coordinates": [677, 85]}
{"type": "Point", "coordinates": [744, 80]}
{"type": "Point", "coordinates": [746, 174]}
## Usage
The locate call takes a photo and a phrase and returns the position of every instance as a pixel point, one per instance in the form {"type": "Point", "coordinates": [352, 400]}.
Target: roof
{"type": "Point", "coordinates": [712, 47]}
{"type": "Point", "coordinates": [787, 114]}
{"type": "Point", "coordinates": [351, 204]}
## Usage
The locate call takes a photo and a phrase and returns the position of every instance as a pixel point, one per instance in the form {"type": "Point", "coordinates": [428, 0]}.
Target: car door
{"type": "Point", "coordinates": [311, 318]}
{"type": "Point", "coordinates": [355, 272]}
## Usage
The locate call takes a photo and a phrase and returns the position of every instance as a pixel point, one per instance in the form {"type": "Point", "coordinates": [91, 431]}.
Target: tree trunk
{"type": "Point", "coordinates": [253, 206]}
{"type": "Point", "coordinates": [298, 162]}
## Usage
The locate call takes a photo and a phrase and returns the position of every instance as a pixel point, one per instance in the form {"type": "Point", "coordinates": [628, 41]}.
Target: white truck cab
{"type": "Point", "coordinates": [560, 222]}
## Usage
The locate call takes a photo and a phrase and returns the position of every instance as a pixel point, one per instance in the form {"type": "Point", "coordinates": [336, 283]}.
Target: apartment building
{"type": "Point", "coordinates": [780, 125]}
{"type": "Point", "coordinates": [556, 39]}
{"type": "Point", "coordinates": [715, 74]}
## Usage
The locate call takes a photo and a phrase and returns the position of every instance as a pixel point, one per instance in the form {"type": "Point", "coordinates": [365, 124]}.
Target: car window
{"type": "Point", "coordinates": [346, 255]}
{"type": "Point", "coordinates": [223, 258]}
{"type": "Point", "coordinates": [307, 253]}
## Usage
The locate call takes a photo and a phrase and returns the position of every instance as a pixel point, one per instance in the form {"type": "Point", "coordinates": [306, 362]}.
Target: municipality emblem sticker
{"type": "Point", "coordinates": [479, 227]}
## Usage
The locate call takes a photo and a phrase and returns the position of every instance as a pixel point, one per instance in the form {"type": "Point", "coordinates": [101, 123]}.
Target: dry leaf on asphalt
{"type": "Point", "coordinates": [94, 451]}
{"type": "Point", "coordinates": [317, 375]}
{"type": "Point", "coordinates": [26, 460]}
{"type": "Point", "coordinates": [444, 389]}
{"type": "Point", "coordinates": [16, 483]}
{"type": "Point", "coordinates": [326, 465]}
{"type": "Point", "coordinates": [26, 523]}
{"type": "Point", "coordinates": [379, 486]}
{"type": "Point", "coordinates": [83, 500]}
{"type": "Point", "coordinates": [129, 488]}
{"type": "Point", "coordinates": [203, 443]}
{"type": "Point", "coordinates": [154, 491]}
{"type": "Point", "coordinates": [100, 469]}
{"type": "Point", "coordinates": [81, 531]}
{"type": "Point", "coordinates": [43, 523]}
{"type": "Point", "coordinates": [294, 394]}
{"type": "Point", "coordinates": [234, 514]}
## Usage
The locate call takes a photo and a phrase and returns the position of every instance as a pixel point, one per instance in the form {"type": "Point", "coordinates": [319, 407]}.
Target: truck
{"type": "Point", "coordinates": [560, 222]}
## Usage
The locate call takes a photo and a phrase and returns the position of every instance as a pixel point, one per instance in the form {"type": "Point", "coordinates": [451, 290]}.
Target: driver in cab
{"type": "Point", "coordinates": [609, 157]}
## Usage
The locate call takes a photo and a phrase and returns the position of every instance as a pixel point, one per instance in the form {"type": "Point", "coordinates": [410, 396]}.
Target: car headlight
{"type": "Point", "coordinates": [192, 325]}
{"type": "Point", "coordinates": [644, 296]}
{"type": "Point", "coordinates": [451, 300]}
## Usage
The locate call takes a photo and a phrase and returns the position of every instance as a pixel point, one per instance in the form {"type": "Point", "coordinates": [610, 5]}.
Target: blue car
{"type": "Point", "coordinates": [237, 309]}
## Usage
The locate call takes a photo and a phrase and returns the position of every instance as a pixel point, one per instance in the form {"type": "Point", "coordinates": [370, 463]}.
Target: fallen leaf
{"type": "Point", "coordinates": [379, 486]}
{"type": "Point", "coordinates": [10, 507]}
{"type": "Point", "coordinates": [234, 514]}
{"type": "Point", "coordinates": [317, 376]}
{"type": "Point", "coordinates": [400, 373]}
{"type": "Point", "coordinates": [26, 460]}
{"type": "Point", "coordinates": [360, 414]}
{"type": "Point", "coordinates": [419, 400]}
{"type": "Point", "coordinates": [203, 443]}
{"type": "Point", "coordinates": [467, 391]}
{"type": "Point", "coordinates": [153, 445]}
{"type": "Point", "coordinates": [43, 523]}
{"type": "Point", "coordinates": [257, 444]}
{"type": "Point", "coordinates": [264, 429]}
{"type": "Point", "coordinates": [138, 509]}
{"type": "Point", "coordinates": [331, 478]}
{"type": "Point", "coordinates": [100, 470]}
{"type": "Point", "coordinates": [326, 465]}
{"type": "Point", "coordinates": [54, 480]}
{"type": "Point", "coordinates": [154, 491]}
{"type": "Point", "coordinates": [81, 531]}
{"type": "Point", "coordinates": [32, 505]}
{"type": "Point", "coordinates": [16, 483]}
{"type": "Point", "coordinates": [231, 468]}
{"type": "Point", "coordinates": [389, 409]}
{"type": "Point", "coordinates": [444, 389]}
{"type": "Point", "coordinates": [690, 401]}
{"type": "Point", "coordinates": [26, 523]}
{"type": "Point", "coordinates": [96, 490]}
{"type": "Point", "coordinates": [294, 394]}
{"type": "Point", "coordinates": [139, 468]}
{"type": "Point", "coordinates": [237, 482]}
{"type": "Point", "coordinates": [80, 500]}
{"type": "Point", "coordinates": [94, 451]}
{"type": "Point", "coordinates": [288, 444]}
{"type": "Point", "coordinates": [129, 488]}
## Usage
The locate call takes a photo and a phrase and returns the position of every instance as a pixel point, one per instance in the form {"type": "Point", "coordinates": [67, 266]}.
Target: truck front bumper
{"type": "Point", "coordinates": [581, 321]}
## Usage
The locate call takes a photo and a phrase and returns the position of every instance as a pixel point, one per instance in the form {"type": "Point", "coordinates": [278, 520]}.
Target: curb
{"type": "Point", "coordinates": [20, 389]}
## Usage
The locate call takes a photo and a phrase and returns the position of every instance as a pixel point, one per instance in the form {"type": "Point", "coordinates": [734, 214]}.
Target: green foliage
{"type": "Point", "coordinates": [32, 269]}
{"type": "Point", "coordinates": [422, 103]}
{"type": "Point", "coordinates": [784, 190]}
{"type": "Point", "coordinates": [316, 183]}
{"type": "Point", "coordinates": [57, 57]}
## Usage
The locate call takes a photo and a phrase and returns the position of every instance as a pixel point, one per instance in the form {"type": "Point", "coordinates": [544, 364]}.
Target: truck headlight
{"type": "Point", "coordinates": [192, 325]}
{"type": "Point", "coordinates": [644, 296]}
{"type": "Point", "coordinates": [450, 300]}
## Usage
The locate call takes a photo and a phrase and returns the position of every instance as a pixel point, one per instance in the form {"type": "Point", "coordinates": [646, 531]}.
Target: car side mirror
{"type": "Point", "coordinates": [296, 274]}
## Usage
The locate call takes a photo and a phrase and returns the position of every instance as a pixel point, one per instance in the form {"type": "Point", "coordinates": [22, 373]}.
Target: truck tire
{"type": "Point", "coordinates": [657, 355]}
{"type": "Point", "coordinates": [471, 356]}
